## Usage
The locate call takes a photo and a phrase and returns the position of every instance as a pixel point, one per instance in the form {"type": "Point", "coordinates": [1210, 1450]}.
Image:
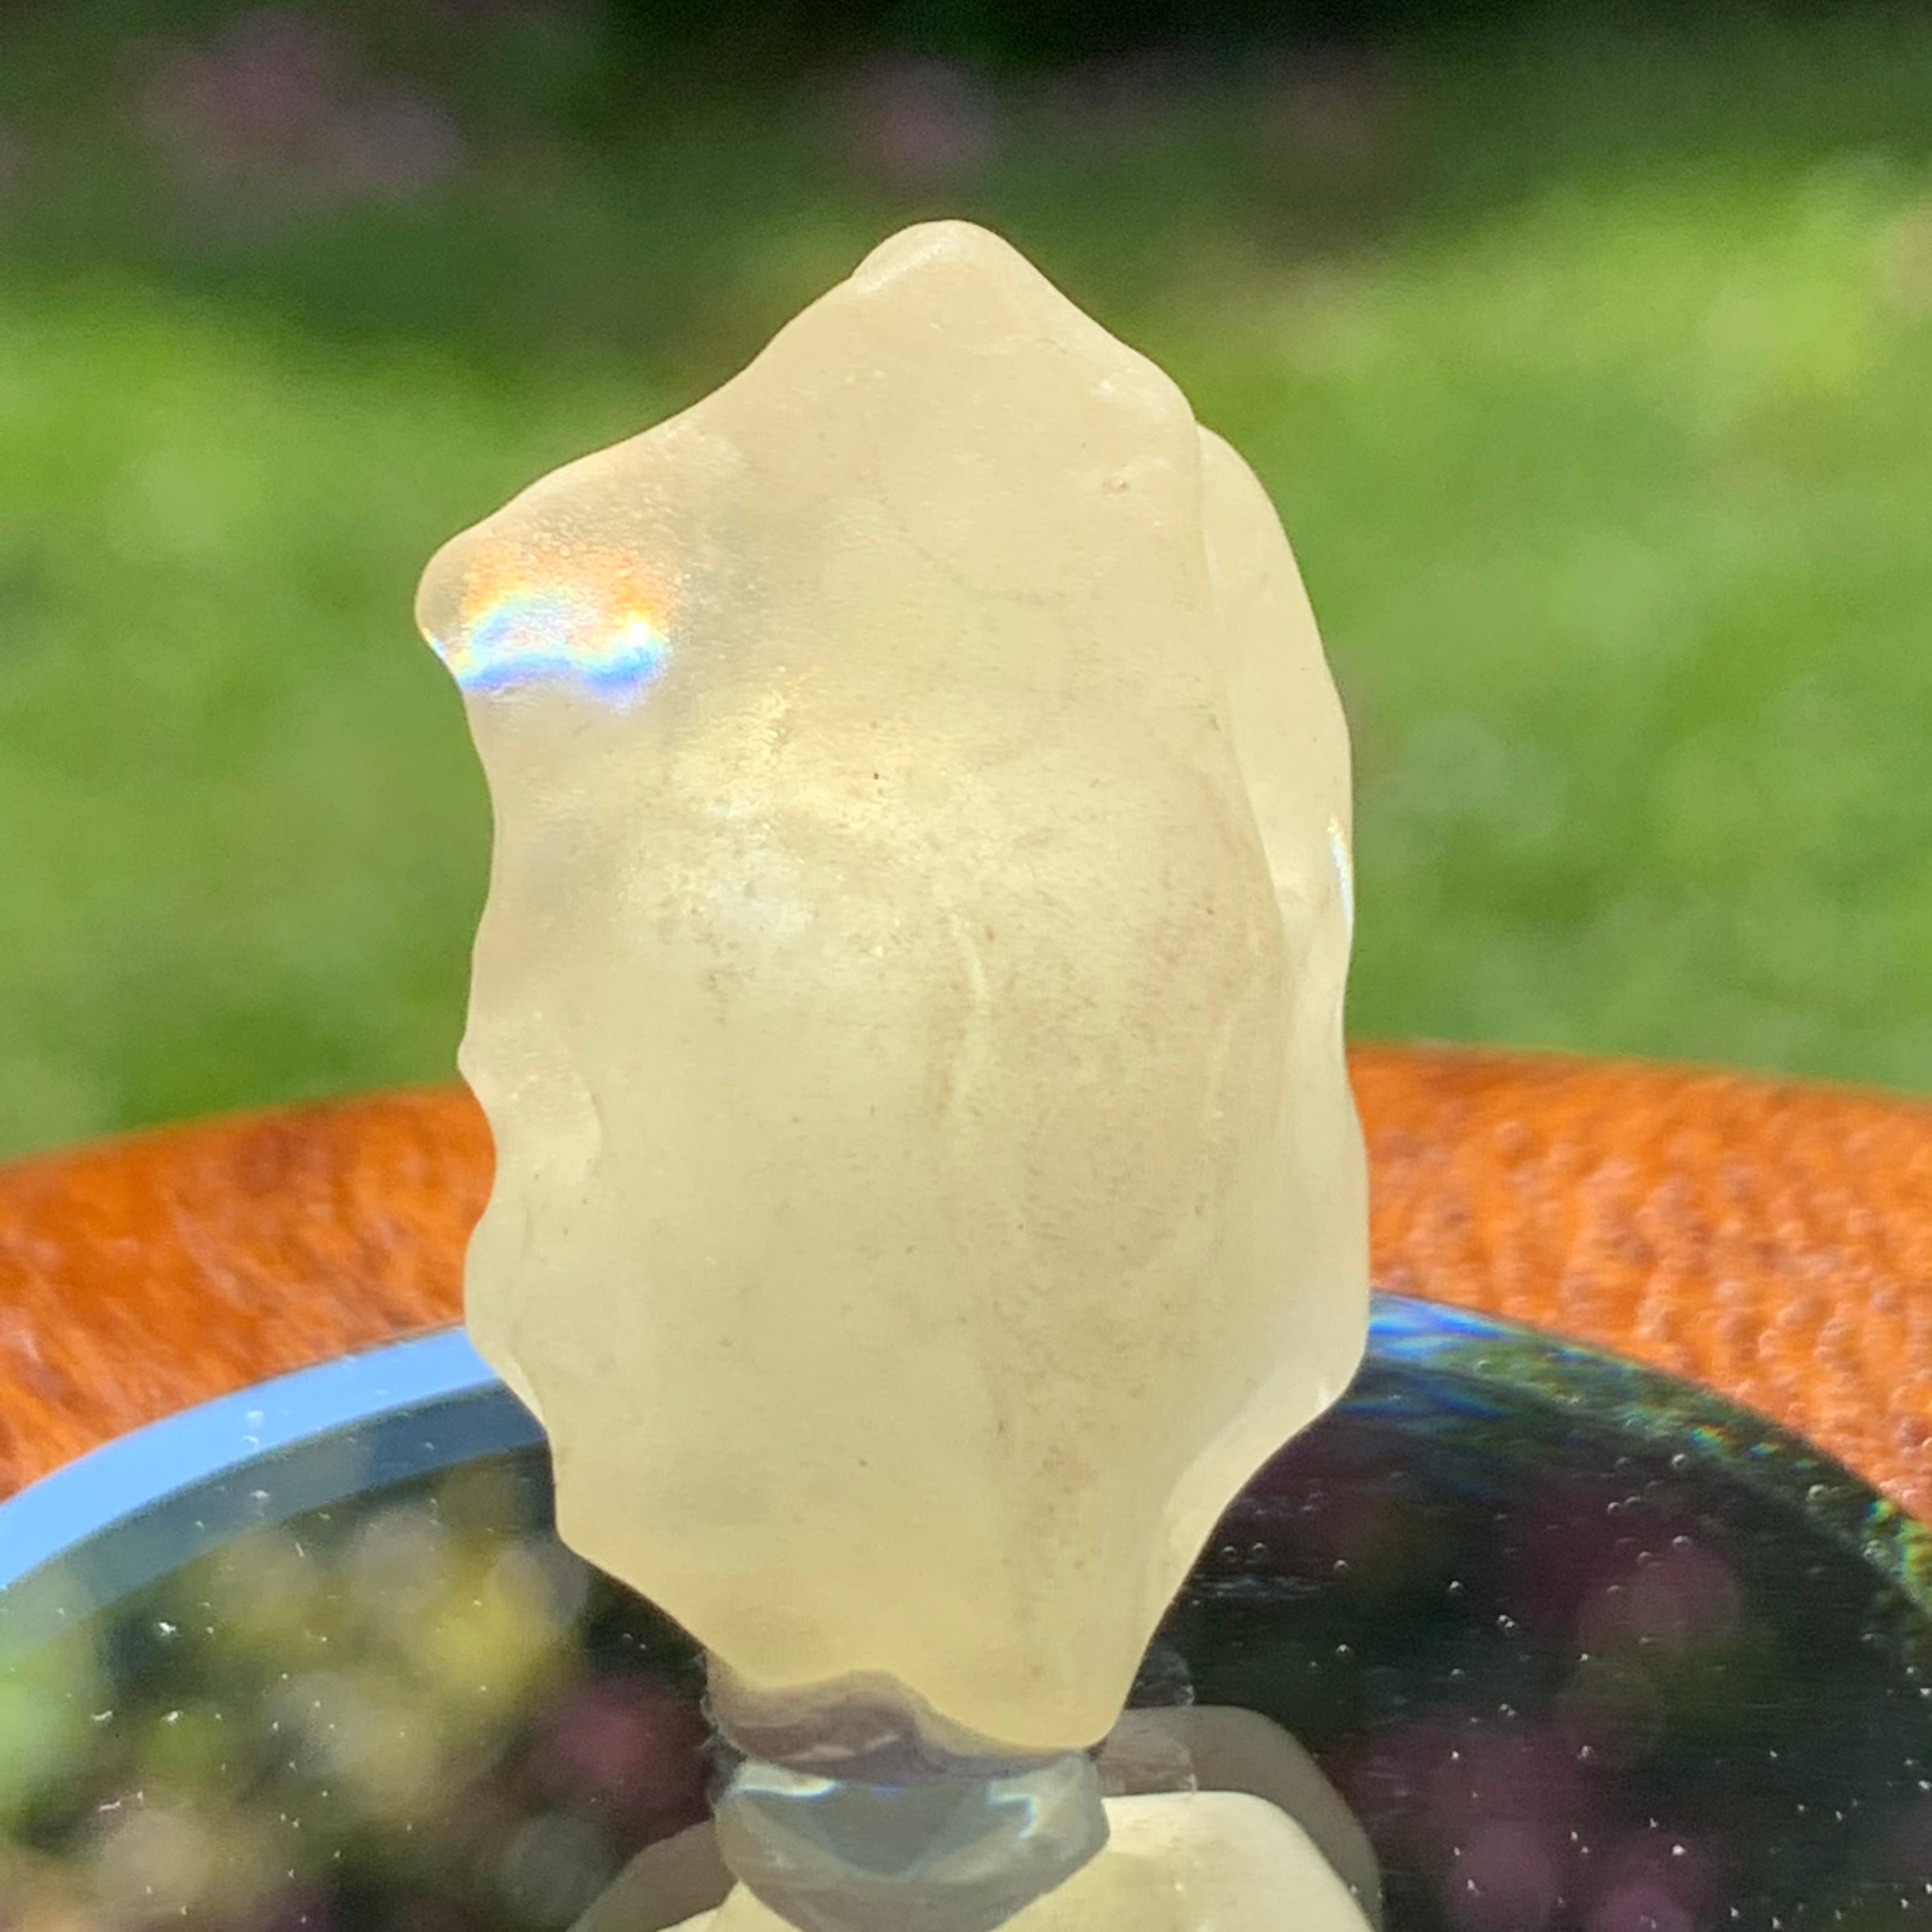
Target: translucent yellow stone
{"type": "Point", "coordinates": [908, 1005]}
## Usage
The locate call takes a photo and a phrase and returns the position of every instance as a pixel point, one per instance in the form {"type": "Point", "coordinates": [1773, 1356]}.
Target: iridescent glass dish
{"type": "Point", "coordinates": [1584, 1646]}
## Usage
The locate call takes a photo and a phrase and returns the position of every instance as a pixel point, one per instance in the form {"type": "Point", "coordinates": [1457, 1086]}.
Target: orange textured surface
{"type": "Point", "coordinates": [1772, 1239]}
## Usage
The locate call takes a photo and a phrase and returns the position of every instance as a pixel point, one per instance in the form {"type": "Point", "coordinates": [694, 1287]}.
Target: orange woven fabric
{"type": "Point", "coordinates": [1770, 1238]}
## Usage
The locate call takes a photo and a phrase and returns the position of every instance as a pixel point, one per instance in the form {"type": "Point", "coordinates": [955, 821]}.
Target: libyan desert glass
{"type": "Point", "coordinates": [908, 1008]}
{"type": "Point", "coordinates": [1584, 1647]}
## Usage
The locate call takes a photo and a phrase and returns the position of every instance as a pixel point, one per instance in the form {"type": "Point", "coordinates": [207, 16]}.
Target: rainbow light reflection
{"type": "Point", "coordinates": [607, 638]}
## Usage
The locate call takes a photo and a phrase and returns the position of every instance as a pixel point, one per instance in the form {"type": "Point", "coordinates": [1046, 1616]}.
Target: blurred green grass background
{"type": "Point", "coordinates": [1591, 370]}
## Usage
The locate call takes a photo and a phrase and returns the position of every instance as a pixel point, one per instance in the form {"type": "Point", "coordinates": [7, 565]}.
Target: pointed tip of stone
{"type": "Point", "coordinates": [983, 277]}
{"type": "Point", "coordinates": [952, 244]}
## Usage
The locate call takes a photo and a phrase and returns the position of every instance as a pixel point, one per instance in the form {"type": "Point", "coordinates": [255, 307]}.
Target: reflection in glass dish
{"type": "Point", "coordinates": [1583, 1647]}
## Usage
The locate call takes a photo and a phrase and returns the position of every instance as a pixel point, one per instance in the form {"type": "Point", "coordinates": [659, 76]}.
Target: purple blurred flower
{"type": "Point", "coordinates": [1675, 1600]}
{"type": "Point", "coordinates": [1500, 1810]}
{"type": "Point", "coordinates": [1508, 1877]}
{"type": "Point", "coordinates": [396, 143]}
{"type": "Point", "coordinates": [1494, 1772]}
{"type": "Point", "coordinates": [1575, 1553]}
{"type": "Point", "coordinates": [1653, 1881]}
{"type": "Point", "coordinates": [259, 95]}
{"type": "Point", "coordinates": [921, 124]}
{"type": "Point", "coordinates": [1640, 1905]}
{"type": "Point", "coordinates": [1333, 109]}
{"type": "Point", "coordinates": [628, 1744]}
{"type": "Point", "coordinates": [273, 117]}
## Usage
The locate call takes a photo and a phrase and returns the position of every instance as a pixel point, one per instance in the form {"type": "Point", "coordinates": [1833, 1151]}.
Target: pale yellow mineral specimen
{"type": "Point", "coordinates": [908, 1005]}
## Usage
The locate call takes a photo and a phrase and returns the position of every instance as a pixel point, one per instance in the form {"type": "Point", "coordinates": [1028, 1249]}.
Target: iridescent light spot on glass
{"type": "Point", "coordinates": [606, 638]}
